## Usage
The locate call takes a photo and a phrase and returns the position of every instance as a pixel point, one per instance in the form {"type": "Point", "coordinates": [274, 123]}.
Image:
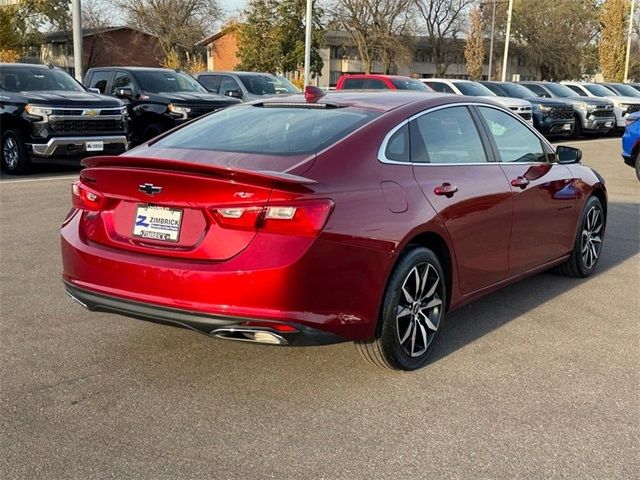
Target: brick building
{"type": "Point", "coordinates": [222, 49]}
{"type": "Point", "coordinates": [111, 46]}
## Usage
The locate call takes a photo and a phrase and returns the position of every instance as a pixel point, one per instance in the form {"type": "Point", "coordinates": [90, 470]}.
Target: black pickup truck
{"type": "Point", "coordinates": [47, 116]}
{"type": "Point", "coordinates": [158, 99]}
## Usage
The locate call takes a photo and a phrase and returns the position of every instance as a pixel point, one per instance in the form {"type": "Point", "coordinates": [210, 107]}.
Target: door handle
{"type": "Point", "coordinates": [445, 189]}
{"type": "Point", "coordinates": [520, 182]}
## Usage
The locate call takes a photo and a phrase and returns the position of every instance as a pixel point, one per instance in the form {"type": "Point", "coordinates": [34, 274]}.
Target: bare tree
{"type": "Point", "coordinates": [377, 28]}
{"type": "Point", "coordinates": [442, 21]}
{"type": "Point", "coordinates": [95, 19]}
{"type": "Point", "coordinates": [178, 24]}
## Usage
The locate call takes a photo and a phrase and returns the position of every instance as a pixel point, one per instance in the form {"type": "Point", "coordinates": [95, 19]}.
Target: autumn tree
{"type": "Point", "coordinates": [442, 21]}
{"type": "Point", "coordinates": [474, 46]}
{"type": "Point", "coordinates": [614, 16]}
{"type": "Point", "coordinates": [272, 38]}
{"type": "Point", "coordinates": [379, 29]}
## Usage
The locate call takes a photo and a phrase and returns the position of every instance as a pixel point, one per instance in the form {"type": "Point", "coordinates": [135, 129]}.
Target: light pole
{"type": "Point", "coordinates": [494, 4]}
{"type": "Point", "coordinates": [626, 61]}
{"type": "Point", "coordinates": [506, 42]}
{"type": "Point", "coordinates": [307, 44]}
{"type": "Point", "coordinates": [76, 18]}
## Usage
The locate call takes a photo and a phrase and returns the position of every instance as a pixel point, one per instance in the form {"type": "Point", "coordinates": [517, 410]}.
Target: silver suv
{"type": "Point", "coordinates": [246, 86]}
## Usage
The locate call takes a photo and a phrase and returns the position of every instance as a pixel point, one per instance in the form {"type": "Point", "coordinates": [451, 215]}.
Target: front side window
{"type": "Point", "coordinates": [267, 84]}
{"type": "Point", "coordinates": [578, 90]}
{"type": "Point", "coordinates": [446, 136]}
{"type": "Point", "coordinates": [212, 82]}
{"type": "Point", "coordinates": [515, 142]}
{"type": "Point", "coordinates": [269, 130]}
{"type": "Point", "coordinates": [26, 79]}
{"type": "Point", "coordinates": [99, 80]}
{"type": "Point", "coordinates": [228, 84]}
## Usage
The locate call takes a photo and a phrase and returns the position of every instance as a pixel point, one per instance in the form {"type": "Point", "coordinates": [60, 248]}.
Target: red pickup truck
{"type": "Point", "coordinates": [380, 82]}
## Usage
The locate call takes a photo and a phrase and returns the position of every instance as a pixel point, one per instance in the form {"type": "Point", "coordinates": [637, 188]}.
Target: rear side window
{"type": "Point", "coordinates": [515, 142]}
{"type": "Point", "coordinates": [99, 80]}
{"type": "Point", "coordinates": [398, 146]}
{"type": "Point", "coordinates": [446, 136]}
{"type": "Point", "coordinates": [354, 83]}
{"type": "Point", "coordinates": [270, 130]}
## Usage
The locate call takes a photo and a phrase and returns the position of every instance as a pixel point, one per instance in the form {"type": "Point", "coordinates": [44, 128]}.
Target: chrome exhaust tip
{"type": "Point", "coordinates": [75, 299]}
{"type": "Point", "coordinates": [243, 334]}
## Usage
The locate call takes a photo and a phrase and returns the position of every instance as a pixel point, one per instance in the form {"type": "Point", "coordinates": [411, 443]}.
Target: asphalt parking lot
{"type": "Point", "coordinates": [540, 380]}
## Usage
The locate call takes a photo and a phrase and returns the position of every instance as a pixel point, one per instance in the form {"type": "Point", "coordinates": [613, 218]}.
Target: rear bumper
{"type": "Point", "coordinates": [198, 321]}
{"type": "Point", "coordinates": [327, 285]}
{"type": "Point", "coordinates": [59, 146]}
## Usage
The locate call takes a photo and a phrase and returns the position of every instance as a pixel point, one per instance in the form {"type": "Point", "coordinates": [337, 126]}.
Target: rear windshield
{"type": "Point", "coordinates": [267, 84]}
{"type": "Point", "coordinates": [30, 79]}
{"type": "Point", "coordinates": [272, 130]}
{"type": "Point", "coordinates": [474, 89]}
{"type": "Point", "coordinates": [409, 84]}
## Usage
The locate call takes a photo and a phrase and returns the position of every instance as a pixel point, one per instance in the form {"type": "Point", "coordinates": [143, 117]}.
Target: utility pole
{"type": "Point", "coordinates": [307, 44]}
{"type": "Point", "coordinates": [76, 13]}
{"type": "Point", "coordinates": [506, 42]}
{"type": "Point", "coordinates": [626, 61]}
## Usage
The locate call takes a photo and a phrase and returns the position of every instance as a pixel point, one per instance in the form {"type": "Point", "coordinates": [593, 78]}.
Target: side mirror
{"type": "Point", "coordinates": [567, 155]}
{"type": "Point", "coordinates": [234, 93]}
{"type": "Point", "coordinates": [94, 90]}
{"type": "Point", "coordinates": [124, 92]}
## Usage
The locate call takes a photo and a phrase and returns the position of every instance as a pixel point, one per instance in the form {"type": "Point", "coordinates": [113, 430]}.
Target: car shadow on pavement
{"type": "Point", "coordinates": [479, 318]}
{"type": "Point", "coordinates": [200, 358]}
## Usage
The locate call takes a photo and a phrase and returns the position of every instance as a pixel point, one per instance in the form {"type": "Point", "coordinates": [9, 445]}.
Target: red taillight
{"type": "Point", "coordinates": [295, 218]}
{"type": "Point", "coordinates": [278, 327]}
{"type": "Point", "coordinates": [85, 198]}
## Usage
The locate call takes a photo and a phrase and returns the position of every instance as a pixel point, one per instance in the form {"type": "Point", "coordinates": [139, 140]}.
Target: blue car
{"type": "Point", "coordinates": [631, 142]}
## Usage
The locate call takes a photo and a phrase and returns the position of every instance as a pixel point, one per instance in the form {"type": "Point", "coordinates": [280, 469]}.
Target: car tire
{"type": "Point", "coordinates": [638, 165]}
{"type": "Point", "coordinates": [577, 129]}
{"type": "Point", "coordinates": [587, 247]}
{"type": "Point", "coordinates": [13, 153]}
{"type": "Point", "coordinates": [412, 313]}
{"type": "Point", "coordinates": [152, 131]}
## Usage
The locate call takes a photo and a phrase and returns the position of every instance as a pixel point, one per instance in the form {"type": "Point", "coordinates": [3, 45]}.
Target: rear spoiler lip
{"type": "Point", "coordinates": [237, 174]}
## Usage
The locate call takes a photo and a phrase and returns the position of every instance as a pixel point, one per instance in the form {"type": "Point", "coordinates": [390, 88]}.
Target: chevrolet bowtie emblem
{"type": "Point", "coordinates": [149, 188]}
{"type": "Point", "coordinates": [91, 113]}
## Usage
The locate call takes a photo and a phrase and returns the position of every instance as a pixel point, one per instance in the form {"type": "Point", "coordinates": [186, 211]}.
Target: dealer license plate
{"type": "Point", "coordinates": [608, 124]}
{"type": "Point", "coordinates": [94, 146]}
{"type": "Point", "coordinates": [157, 223]}
{"type": "Point", "coordinates": [566, 126]}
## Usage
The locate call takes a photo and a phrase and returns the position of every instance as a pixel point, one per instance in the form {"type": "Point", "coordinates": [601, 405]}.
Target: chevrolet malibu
{"type": "Point", "coordinates": [316, 219]}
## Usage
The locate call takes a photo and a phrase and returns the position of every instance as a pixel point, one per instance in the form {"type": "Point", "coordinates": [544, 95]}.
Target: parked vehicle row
{"type": "Point", "coordinates": [46, 115]}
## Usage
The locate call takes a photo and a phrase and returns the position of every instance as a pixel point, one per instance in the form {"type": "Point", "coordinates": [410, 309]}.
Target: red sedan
{"type": "Point", "coordinates": [350, 216]}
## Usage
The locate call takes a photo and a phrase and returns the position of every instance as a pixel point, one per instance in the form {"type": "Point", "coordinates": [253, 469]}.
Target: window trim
{"type": "Point", "coordinates": [492, 159]}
